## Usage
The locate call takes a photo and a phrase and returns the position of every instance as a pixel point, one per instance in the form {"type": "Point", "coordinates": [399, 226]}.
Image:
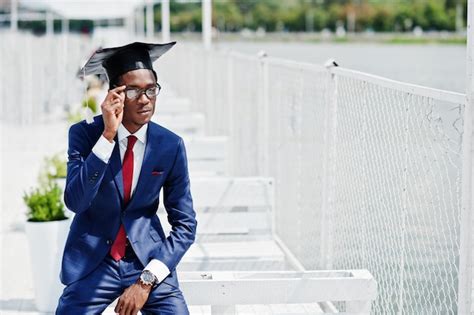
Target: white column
{"type": "Point", "coordinates": [206, 23]}
{"type": "Point", "coordinates": [165, 20]}
{"type": "Point", "coordinates": [65, 26]}
{"type": "Point", "coordinates": [465, 259]}
{"type": "Point", "coordinates": [130, 25]}
{"type": "Point", "coordinates": [140, 22]}
{"type": "Point", "coordinates": [150, 23]}
{"type": "Point", "coordinates": [49, 24]}
{"type": "Point", "coordinates": [14, 15]}
{"type": "Point", "coordinates": [65, 55]}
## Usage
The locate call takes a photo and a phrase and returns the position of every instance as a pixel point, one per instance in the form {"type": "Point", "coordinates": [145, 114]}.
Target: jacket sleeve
{"type": "Point", "coordinates": [85, 171]}
{"type": "Point", "coordinates": [181, 215]}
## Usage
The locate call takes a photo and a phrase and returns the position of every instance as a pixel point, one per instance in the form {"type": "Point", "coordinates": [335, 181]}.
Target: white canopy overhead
{"type": "Point", "coordinates": [86, 9]}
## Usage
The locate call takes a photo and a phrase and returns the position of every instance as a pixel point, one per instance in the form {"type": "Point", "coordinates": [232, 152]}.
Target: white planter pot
{"type": "Point", "coordinates": [46, 241]}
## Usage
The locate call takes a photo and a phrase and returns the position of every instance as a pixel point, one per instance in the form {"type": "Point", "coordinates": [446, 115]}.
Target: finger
{"type": "Point", "coordinates": [116, 104]}
{"type": "Point", "coordinates": [112, 109]}
{"type": "Point", "coordinates": [116, 95]}
{"type": "Point", "coordinates": [118, 306]}
{"type": "Point", "coordinates": [118, 112]}
{"type": "Point", "coordinates": [125, 309]}
{"type": "Point", "coordinates": [122, 96]}
{"type": "Point", "coordinates": [120, 116]}
{"type": "Point", "coordinates": [118, 88]}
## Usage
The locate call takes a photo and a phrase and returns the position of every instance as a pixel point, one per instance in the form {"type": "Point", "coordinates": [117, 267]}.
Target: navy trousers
{"type": "Point", "coordinates": [96, 291]}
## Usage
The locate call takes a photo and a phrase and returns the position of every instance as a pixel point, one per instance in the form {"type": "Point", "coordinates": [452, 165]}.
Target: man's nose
{"type": "Point", "coordinates": [143, 99]}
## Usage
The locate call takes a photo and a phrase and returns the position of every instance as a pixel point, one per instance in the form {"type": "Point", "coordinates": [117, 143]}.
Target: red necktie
{"type": "Point", "coordinates": [118, 247]}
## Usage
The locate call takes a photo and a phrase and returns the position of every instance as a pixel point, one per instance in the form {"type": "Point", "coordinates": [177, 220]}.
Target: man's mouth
{"type": "Point", "coordinates": [144, 111]}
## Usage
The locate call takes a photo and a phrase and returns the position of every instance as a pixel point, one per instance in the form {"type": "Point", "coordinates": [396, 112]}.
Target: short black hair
{"type": "Point", "coordinates": [114, 82]}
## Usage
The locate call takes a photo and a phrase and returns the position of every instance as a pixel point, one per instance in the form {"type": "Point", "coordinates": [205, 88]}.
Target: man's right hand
{"type": "Point", "coordinates": [112, 111]}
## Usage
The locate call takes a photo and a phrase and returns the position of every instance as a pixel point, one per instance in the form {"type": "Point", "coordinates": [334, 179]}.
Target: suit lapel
{"type": "Point", "coordinates": [150, 159]}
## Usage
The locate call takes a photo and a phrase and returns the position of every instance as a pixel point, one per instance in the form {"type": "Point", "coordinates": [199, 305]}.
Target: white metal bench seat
{"type": "Point", "coordinates": [184, 124]}
{"type": "Point", "coordinates": [357, 288]}
{"type": "Point", "coordinates": [254, 255]}
{"type": "Point", "coordinates": [167, 105]}
{"type": "Point", "coordinates": [234, 226]}
{"type": "Point", "coordinates": [207, 155]}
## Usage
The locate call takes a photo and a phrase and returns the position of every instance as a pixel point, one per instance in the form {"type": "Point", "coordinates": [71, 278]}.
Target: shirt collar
{"type": "Point", "coordinates": [123, 133]}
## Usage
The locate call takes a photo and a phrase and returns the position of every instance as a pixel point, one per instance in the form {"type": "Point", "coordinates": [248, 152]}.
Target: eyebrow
{"type": "Point", "coordinates": [146, 86]}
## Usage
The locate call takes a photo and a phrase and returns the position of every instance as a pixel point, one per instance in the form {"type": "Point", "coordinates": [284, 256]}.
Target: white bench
{"type": "Point", "coordinates": [185, 124]}
{"type": "Point", "coordinates": [234, 226]}
{"type": "Point", "coordinates": [173, 105]}
{"type": "Point", "coordinates": [207, 155]}
{"type": "Point", "coordinates": [224, 290]}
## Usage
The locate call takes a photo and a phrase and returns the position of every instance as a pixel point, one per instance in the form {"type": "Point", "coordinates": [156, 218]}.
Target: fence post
{"type": "Point", "coordinates": [465, 259]}
{"type": "Point", "coordinates": [230, 112]}
{"type": "Point", "coordinates": [263, 145]}
{"type": "Point", "coordinates": [208, 108]}
{"type": "Point", "coordinates": [328, 167]}
{"type": "Point", "coordinates": [14, 16]}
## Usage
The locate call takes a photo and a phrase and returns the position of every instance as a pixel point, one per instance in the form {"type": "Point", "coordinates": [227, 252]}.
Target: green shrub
{"type": "Point", "coordinates": [91, 103]}
{"type": "Point", "coordinates": [53, 167]}
{"type": "Point", "coordinates": [45, 204]}
{"type": "Point", "coordinates": [74, 117]}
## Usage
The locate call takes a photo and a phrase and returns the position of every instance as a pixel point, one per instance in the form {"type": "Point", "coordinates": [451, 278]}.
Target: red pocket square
{"type": "Point", "coordinates": [154, 173]}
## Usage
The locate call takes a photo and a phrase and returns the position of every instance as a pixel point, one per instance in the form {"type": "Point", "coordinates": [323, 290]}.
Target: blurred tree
{"type": "Point", "coordinates": [303, 15]}
{"type": "Point", "coordinates": [336, 14]}
{"type": "Point", "coordinates": [226, 15]}
{"type": "Point", "coordinates": [404, 18]}
{"type": "Point", "coordinates": [436, 16]}
{"type": "Point", "coordinates": [383, 19]}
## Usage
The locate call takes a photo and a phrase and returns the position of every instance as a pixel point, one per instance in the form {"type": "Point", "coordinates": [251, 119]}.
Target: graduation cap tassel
{"type": "Point", "coordinates": [89, 115]}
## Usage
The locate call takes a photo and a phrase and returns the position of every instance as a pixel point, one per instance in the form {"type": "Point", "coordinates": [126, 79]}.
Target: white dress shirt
{"type": "Point", "coordinates": [103, 149]}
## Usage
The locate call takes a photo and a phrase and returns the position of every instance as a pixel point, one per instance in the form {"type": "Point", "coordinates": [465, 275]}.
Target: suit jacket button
{"type": "Point", "coordinates": [109, 242]}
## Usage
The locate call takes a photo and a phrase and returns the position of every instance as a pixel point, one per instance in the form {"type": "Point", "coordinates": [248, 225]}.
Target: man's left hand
{"type": "Point", "coordinates": [132, 299]}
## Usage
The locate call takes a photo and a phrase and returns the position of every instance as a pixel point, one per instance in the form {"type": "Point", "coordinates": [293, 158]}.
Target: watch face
{"type": "Point", "coordinates": [148, 277]}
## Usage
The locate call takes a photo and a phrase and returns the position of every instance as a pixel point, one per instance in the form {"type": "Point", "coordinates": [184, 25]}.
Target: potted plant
{"type": "Point", "coordinates": [87, 110]}
{"type": "Point", "coordinates": [54, 169]}
{"type": "Point", "coordinates": [46, 230]}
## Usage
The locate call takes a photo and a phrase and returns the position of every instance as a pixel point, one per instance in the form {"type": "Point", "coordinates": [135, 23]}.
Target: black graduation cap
{"type": "Point", "coordinates": [115, 61]}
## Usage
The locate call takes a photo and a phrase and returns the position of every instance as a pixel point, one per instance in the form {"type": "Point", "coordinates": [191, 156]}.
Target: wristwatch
{"type": "Point", "coordinates": [148, 278]}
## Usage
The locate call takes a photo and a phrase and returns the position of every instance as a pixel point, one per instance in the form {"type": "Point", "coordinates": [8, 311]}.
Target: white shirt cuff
{"type": "Point", "coordinates": [103, 149]}
{"type": "Point", "coordinates": [159, 269]}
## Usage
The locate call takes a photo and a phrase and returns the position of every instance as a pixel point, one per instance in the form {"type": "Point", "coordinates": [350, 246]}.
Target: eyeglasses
{"type": "Point", "coordinates": [132, 93]}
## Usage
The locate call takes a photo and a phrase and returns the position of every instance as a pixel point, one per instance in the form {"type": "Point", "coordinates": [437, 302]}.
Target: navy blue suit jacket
{"type": "Point", "coordinates": [94, 191]}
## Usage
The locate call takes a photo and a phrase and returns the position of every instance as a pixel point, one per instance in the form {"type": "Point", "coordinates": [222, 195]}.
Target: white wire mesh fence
{"type": "Point", "coordinates": [397, 203]}
{"type": "Point", "coordinates": [367, 170]}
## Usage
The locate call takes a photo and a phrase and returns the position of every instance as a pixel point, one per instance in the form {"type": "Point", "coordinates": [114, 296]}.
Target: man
{"type": "Point", "coordinates": [117, 166]}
